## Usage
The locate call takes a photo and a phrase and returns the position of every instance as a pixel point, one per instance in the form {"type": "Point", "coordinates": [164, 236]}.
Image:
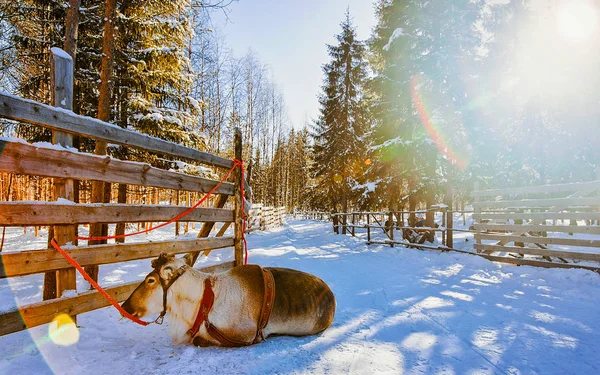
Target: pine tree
{"type": "Point", "coordinates": [339, 148]}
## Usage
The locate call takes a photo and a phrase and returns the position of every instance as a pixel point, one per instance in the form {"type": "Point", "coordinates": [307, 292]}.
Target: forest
{"type": "Point", "coordinates": [441, 94]}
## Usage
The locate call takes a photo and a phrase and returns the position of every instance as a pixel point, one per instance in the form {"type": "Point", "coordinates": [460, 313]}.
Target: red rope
{"type": "Point", "coordinates": [176, 218]}
{"type": "Point", "coordinates": [112, 301]}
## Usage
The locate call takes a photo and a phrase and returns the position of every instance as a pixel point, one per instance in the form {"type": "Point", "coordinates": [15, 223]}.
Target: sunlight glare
{"type": "Point", "coordinates": [63, 331]}
{"type": "Point", "coordinates": [577, 21]}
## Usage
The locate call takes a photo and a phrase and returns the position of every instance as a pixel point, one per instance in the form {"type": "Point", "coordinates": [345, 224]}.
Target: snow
{"type": "Point", "coordinates": [399, 311]}
{"type": "Point", "coordinates": [391, 142]}
{"type": "Point", "coordinates": [397, 33]}
{"type": "Point", "coordinates": [64, 201]}
{"type": "Point", "coordinates": [60, 53]}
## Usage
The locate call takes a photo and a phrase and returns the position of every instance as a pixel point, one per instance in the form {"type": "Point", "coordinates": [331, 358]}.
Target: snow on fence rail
{"type": "Point", "coordinates": [65, 164]}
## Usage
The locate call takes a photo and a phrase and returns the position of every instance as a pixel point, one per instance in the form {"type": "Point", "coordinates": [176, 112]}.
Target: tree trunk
{"type": "Point", "coordinates": [104, 105]}
{"type": "Point", "coordinates": [430, 190]}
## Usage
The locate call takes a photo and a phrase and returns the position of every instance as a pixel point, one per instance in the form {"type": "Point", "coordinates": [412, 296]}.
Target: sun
{"type": "Point", "coordinates": [577, 20]}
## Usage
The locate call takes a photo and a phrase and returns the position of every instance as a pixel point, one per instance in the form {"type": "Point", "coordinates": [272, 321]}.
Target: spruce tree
{"type": "Point", "coordinates": [339, 148]}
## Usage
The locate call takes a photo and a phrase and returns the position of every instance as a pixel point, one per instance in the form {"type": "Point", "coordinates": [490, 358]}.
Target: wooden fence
{"type": "Point", "coordinates": [555, 222]}
{"type": "Point", "coordinates": [388, 221]}
{"type": "Point", "coordinates": [65, 165]}
{"type": "Point", "coordinates": [264, 217]}
{"type": "Point", "coordinates": [538, 221]}
{"type": "Point", "coordinates": [312, 215]}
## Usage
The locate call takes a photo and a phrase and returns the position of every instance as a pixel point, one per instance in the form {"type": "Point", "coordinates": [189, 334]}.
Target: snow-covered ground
{"type": "Point", "coordinates": [398, 311]}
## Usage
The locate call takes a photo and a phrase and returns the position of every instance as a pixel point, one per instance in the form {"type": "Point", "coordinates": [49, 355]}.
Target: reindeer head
{"type": "Point", "coordinates": [148, 298]}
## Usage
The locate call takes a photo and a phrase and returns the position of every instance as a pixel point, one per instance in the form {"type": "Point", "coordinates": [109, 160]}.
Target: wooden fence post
{"type": "Point", "coordinates": [62, 83]}
{"type": "Point", "coordinates": [519, 222]}
{"type": "Point", "coordinates": [449, 215]}
{"type": "Point", "coordinates": [335, 221]}
{"type": "Point", "coordinates": [353, 223]}
{"type": "Point", "coordinates": [476, 209]}
{"type": "Point", "coordinates": [238, 220]}
{"type": "Point", "coordinates": [368, 229]}
{"type": "Point", "coordinates": [391, 228]}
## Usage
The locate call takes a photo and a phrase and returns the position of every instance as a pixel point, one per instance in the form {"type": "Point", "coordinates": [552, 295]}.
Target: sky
{"type": "Point", "coordinates": [290, 37]}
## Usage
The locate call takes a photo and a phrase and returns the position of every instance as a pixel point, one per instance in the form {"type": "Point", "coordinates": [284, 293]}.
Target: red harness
{"type": "Point", "coordinates": [208, 299]}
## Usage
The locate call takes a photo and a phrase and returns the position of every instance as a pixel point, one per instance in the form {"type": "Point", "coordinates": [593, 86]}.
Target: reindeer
{"type": "Point", "coordinates": [239, 307]}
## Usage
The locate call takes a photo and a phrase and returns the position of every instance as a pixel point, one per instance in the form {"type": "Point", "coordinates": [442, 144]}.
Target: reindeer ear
{"type": "Point", "coordinates": [188, 259]}
{"type": "Point", "coordinates": [167, 272]}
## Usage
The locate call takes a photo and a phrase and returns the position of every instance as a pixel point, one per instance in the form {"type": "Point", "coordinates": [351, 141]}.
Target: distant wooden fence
{"type": "Point", "coordinates": [388, 221]}
{"type": "Point", "coordinates": [312, 215]}
{"type": "Point", "coordinates": [264, 217]}
{"type": "Point", "coordinates": [537, 221]}
{"type": "Point", "coordinates": [64, 166]}
{"type": "Point", "coordinates": [540, 221]}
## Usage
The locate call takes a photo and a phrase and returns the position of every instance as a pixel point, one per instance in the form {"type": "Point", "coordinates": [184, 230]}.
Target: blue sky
{"type": "Point", "coordinates": [290, 37]}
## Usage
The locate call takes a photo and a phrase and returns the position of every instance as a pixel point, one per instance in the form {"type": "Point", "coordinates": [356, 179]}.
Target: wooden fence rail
{"type": "Point", "coordinates": [65, 164]}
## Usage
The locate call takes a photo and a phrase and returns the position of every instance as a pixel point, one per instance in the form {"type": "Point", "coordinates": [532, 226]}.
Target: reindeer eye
{"type": "Point", "coordinates": [151, 280]}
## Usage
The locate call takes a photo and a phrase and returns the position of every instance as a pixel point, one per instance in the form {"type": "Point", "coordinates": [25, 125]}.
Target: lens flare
{"type": "Point", "coordinates": [63, 331]}
{"type": "Point", "coordinates": [434, 131]}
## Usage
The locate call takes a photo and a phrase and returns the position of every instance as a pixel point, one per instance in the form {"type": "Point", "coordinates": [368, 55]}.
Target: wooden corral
{"type": "Point", "coordinates": [397, 220]}
{"type": "Point", "coordinates": [56, 167]}
{"type": "Point", "coordinates": [523, 223]}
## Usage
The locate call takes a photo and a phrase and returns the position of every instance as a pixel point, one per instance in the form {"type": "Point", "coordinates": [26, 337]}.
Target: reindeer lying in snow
{"type": "Point", "coordinates": [238, 307]}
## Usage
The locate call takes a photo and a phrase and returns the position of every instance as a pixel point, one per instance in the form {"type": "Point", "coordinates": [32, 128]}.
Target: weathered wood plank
{"type": "Point", "coordinates": [592, 229]}
{"type": "Point", "coordinates": [592, 185]}
{"type": "Point", "coordinates": [539, 216]}
{"type": "Point", "coordinates": [22, 158]}
{"type": "Point", "coordinates": [26, 214]}
{"type": "Point", "coordinates": [559, 202]}
{"type": "Point", "coordinates": [542, 252]}
{"type": "Point", "coordinates": [542, 240]}
{"type": "Point", "coordinates": [31, 112]}
{"type": "Point", "coordinates": [43, 312]}
{"type": "Point", "coordinates": [35, 261]}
